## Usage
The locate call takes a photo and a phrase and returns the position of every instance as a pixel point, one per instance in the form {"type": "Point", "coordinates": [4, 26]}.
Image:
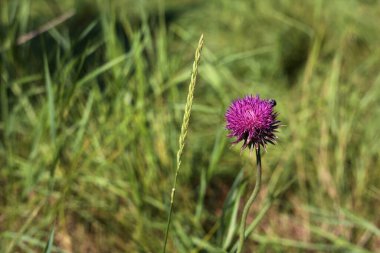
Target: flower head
{"type": "Point", "coordinates": [252, 120]}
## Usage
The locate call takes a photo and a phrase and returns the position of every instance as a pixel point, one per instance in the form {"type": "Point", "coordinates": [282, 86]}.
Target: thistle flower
{"type": "Point", "coordinates": [253, 121]}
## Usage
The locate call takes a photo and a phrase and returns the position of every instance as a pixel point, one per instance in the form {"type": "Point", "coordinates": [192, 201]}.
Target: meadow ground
{"type": "Point", "coordinates": [92, 95]}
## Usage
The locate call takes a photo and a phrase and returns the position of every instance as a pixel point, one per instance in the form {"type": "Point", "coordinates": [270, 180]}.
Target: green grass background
{"type": "Point", "coordinates": [91, 112]}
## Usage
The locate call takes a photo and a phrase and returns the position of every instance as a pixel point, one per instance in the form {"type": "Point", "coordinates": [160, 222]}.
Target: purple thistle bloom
{"type": "Point", "coordinates": [252, 120]}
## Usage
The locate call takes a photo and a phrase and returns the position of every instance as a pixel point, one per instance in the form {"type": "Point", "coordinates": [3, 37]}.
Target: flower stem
{"type": "Point", "coordinates": [250, 201]}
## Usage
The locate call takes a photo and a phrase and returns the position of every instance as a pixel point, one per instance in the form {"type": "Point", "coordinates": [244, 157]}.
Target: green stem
{"type": "Point", "coordinates": [250, 202]}
{"type": "Point", "coordinates": [182, 136]}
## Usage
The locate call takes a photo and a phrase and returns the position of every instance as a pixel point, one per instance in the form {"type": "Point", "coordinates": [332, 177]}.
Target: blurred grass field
{"type": "Point", "coordinates": [91, 111]}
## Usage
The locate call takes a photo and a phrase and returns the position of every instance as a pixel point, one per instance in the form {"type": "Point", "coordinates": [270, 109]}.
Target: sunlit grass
{"type": "Point", "coordinates": [89, 136]}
